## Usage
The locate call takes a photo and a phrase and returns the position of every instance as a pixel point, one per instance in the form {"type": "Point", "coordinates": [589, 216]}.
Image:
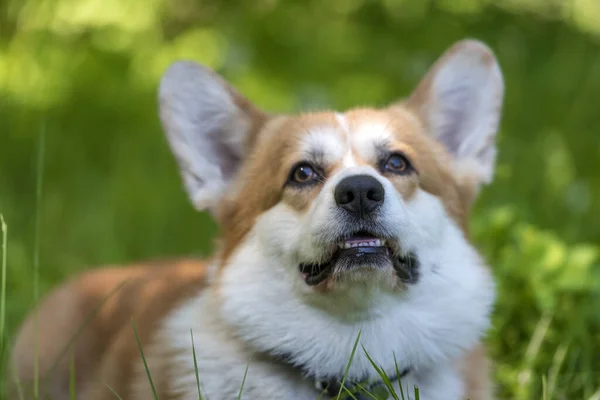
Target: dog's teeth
{"type": "Point", "coordinates": [348, 244]}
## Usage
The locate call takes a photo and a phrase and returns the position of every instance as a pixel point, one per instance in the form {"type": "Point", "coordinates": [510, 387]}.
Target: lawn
{"type": "Point", "coordinates": [86, 177]}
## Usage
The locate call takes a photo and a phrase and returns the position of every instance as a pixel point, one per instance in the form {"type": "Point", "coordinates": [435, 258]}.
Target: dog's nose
{"type": "Point", "coordinates": [359, 194]}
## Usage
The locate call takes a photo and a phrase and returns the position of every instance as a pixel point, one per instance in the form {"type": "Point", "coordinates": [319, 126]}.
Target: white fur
{"type": "Point", "coordinates": [326, 140]}
{"type": "Point", "coordinates": [222, 360]}
{"type": "Point", "coordinates": [367, 135]}
{"type": "Point", "coordinates": [341, 119]}
{"type": "Point", "coordinates": [348, 159]}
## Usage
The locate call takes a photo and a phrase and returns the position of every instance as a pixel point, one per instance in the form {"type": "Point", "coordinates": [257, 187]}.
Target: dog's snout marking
{"type": "Point", "coordinates": [348, 160]}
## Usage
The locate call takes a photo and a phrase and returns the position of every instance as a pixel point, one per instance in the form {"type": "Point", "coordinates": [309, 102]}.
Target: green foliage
{"type": "Point", "coordinates": [137, 338]}
{"type": "Point", "coordinates": [84, 73]}
{"type": "Point", "coordinates": [547, 322]}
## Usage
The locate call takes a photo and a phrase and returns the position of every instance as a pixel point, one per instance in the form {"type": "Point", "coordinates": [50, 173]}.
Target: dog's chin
{"type": "Point", "coordinates": [361, 257]}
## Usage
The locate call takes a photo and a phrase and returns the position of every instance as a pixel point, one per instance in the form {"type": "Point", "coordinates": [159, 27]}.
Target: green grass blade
{"type": "Point", "coordinates": [17, 383]}
{"type": "Point", "coordinates": [323, 393]}
{"type": "Point", "coordinates": [85, 322]}
{"type": "Point", "coordinates": [399, 379]}
{"type": "Point", "coordinates": [417, 395]}
{"type": "Point", "coordinates": [557, 364]}
{"type": "Point", "coordinates": [243, 382]}
{"type": "Point", "coordinates": [383, 376]}
{"type": "Point", "coordinates": [137, 338]}
{"type": "Point", "coordinates": [196, 366]}
{"type": "Point", "coordinates": [596, 395]}
{"type": "Point", "coordinates": [525, 386]}
{"type": "Point", "coordinates": [113, 391]}
{"type": "Point", "coordinates": [4, 228]}
{"type": "Point", "coordinates": [3, 288]}
{"type": "Point", "coordinates": [349, 363]}
{"type": "Point", "coordinates": [364, 390]}
{"type": "Point", "coordinates": [349, 393]}
{"type": "Point", "coordinates": [36, 257]}
{"type": "Point", "coordinates": [72, 376]}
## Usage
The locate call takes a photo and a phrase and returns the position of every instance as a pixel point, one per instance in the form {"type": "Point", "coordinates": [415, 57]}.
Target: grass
{"type": "Point", "coordinates": [4, 229]}
{"type": "Point", "coordinates": [114, 392]}
{"type": "Point", "coordinates": [68, 346]}
{"type": "Point", "coordinates": [243, 382]}
{"type": "Point", "coordinates": [69, 349]}
{"type": "Point", "coordinates": [72, 386]}
{"type": "Point", "coordinates": [137, 338]}
{"type": "Point", "coordinates": [196, 366]}
{"type": "Point", "coordinates": [349, 364]}
{"type": "Point", "coordinates": [548, 383]}
{"type": "Point", "coordinates": [17, 385]}
{"type": "Point", "coordinates": [111, 193]}
{"type": "Point", "coordinates": [36, 252]}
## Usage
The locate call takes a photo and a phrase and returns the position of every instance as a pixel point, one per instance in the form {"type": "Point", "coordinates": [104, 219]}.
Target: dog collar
{"type": "Point", "coordinates": [331, 387]}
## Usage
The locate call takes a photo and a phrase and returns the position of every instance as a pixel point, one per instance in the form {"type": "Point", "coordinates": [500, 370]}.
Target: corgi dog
{"type": "Point", "coordinates": [343, 246]}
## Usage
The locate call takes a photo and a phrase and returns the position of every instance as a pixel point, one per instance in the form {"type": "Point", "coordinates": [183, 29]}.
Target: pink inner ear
{"type": "Point", "coordinates": [460, 100]}
{"type": "Point", "coordinates": [208, 125]}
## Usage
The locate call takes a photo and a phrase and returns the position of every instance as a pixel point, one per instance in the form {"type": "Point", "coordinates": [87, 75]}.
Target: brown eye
{"type": "Point", "coordinates": [303, 174]}
{"type": "Point", "coordinates": [397, 163]}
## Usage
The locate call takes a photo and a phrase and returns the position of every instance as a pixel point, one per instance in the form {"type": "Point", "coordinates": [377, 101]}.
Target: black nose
{"type": "Point", "coordinates": [359, 194]}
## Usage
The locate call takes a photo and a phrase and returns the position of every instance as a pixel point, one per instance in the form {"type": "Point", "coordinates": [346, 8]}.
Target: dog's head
{"type": "Point", "coordinates": [344, 211]}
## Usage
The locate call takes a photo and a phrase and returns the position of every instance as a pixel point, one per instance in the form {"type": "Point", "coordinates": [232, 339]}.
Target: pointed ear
{"type": "Point", "coordinates": [460, 102]}
{"type": "Point", "coordinates": [209, 127]}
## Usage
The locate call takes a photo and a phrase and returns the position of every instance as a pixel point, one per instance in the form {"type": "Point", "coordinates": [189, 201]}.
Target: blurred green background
{"type": "Point", "coordinates": [78, 109]}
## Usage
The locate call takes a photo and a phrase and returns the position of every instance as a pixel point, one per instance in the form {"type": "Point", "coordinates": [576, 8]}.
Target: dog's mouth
{"type": "Point", "coordinates": [362, 250]}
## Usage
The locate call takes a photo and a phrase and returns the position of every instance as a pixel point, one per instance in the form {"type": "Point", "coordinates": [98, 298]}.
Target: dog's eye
{"type": "Point", "coordinates": [397, 164]}
{"type": "Point", "coordinates": [303, 173]}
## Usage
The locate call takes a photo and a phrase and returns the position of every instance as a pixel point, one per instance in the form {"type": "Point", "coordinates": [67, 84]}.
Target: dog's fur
{"type": "Point", "coordinates": [249, 304]}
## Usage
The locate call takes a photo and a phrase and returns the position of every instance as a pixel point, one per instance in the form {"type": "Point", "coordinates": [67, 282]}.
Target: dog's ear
{"type": "Point", "coordinates": [209, 127]}
{"type": "Point", "coordinates": [460, 101]}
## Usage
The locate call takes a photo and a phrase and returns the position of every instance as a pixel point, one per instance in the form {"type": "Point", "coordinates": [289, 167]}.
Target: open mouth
{"type": "Point", "coordinates": [362, 250]}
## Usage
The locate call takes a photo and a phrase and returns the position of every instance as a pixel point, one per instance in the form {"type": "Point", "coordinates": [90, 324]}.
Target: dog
{"type": "Point", "coordinates": [343, 255]}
